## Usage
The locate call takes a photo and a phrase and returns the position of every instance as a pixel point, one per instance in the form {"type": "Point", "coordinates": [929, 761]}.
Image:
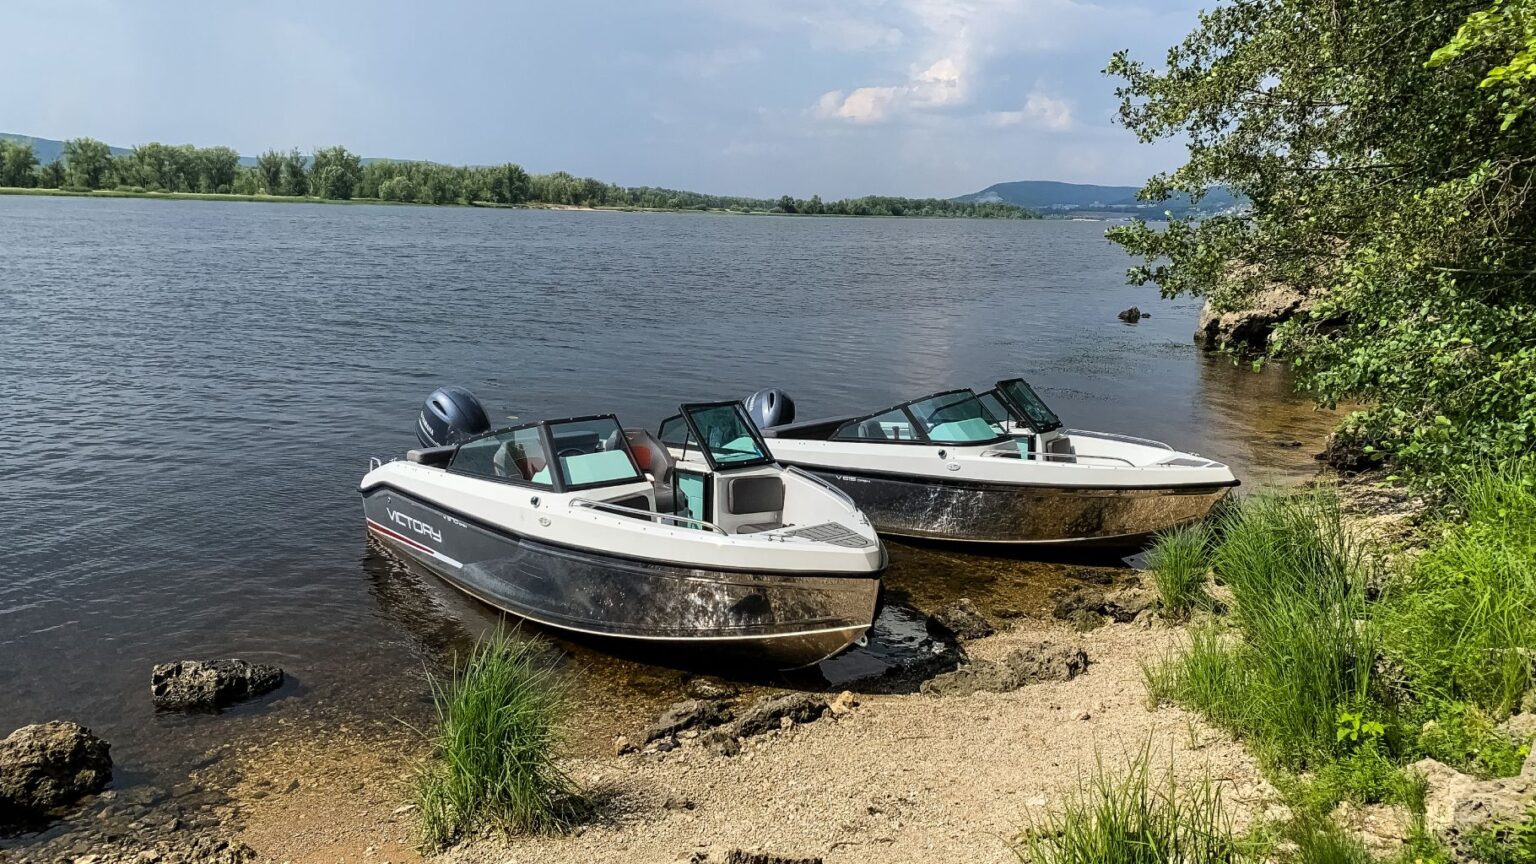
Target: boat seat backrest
{"type": "Point", "coordinates": [754, 495]}
{"type": "Point", "coordinates": [872, 429]}
{"type": "Point", "coordinates": [652, 456]}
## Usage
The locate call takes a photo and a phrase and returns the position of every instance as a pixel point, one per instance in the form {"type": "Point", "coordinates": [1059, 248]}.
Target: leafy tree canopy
{"type": "Point", "coordinates": [1390, 184]}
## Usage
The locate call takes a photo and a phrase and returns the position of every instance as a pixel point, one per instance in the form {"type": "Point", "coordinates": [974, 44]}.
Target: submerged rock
{"type": "Point", "coordinates": [962, 619]}
{"type": "Point", "coordinates": [767, 713]}
{"type": "Point", "coordinates": [207, 685]}
{"type": "Point", "coordinates": [48, 765]}
{"type": "Point", "coordinates": [689, 714]}
{"type": "Point", "coordinates": [705, 687]}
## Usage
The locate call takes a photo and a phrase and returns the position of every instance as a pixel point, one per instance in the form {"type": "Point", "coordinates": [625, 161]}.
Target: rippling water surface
{"type": "Point", "coordinates": [192, 390]}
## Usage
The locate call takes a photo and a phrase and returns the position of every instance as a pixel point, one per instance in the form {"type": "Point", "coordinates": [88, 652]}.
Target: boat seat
{"type": "Point", "coordinates": [654, 460]}
{"type": "Point", "coordinates": [872, 430]}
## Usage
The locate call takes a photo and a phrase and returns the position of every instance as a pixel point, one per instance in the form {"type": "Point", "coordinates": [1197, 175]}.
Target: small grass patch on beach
{"type": "Point", "coordinates": [1129, 818]}
{"type": "Point", "coordinates": [495, 753]}
{"type": "Point", "coordinates": [1180, 563]}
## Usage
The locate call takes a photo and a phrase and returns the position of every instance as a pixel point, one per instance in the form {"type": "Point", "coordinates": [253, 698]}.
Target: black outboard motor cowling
{"type": "Point", "coordinates": [770, 407]}
{"type": "Point", "coordinates": [452, 415]}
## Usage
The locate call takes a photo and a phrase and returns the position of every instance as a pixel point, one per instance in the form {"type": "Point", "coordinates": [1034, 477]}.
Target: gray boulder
{"type": "Point", "coordinates": [687, 714]}
{"type": "Point", "coordinates": [963, 619]}
{"type": "Point", "coordinates": [207, 685]}
{"type": "Point", "coordinates": [1132, 315]}
{"type": "Point", "coordinates": [1248, 328]}
{"type": "Point", "coordinates": [48, 765]}
{"type": "Point", "coordinates": [767, 713]}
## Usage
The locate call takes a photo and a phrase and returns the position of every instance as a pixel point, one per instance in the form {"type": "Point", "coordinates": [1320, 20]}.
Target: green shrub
{"type": "Point", "coordinates": [1463, 622]}
{"type": "Point", "coordinates": [1180, 562]}
{"type": "Point", "coordinates": [1127, 819]}
{"type": "Point", "coordinates": [1466, 739]}
{"type": "Point", "coordinates": [1306, 644]}
{"type": "Point", "coordinates": [495, 752]}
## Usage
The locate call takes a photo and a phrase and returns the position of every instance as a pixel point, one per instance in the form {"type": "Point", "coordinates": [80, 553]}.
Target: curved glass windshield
{"type": "Point", "coordinates": [956, 418]}
{"type": "Point", "coordinates": [728, 437]}
{"type": "Point", "coordinates": [591, 451]}
{"type": "Point", "coordinates": [1023, 397]}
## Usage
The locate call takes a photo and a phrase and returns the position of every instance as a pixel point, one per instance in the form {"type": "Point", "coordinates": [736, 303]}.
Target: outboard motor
{"type": "Point", "coordinates": [770, 407]}
{"type": "Point", "coordinates": [452, 415]}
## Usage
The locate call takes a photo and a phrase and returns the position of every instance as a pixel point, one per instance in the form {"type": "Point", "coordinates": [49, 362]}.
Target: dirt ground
{"type": "Point", "coordinates": [902, 778]}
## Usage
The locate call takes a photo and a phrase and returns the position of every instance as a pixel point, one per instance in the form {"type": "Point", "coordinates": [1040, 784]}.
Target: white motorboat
{"type": "Point", "coordinates": [997, 468]}
{"type": "Point", "coordinates": [583, 525]}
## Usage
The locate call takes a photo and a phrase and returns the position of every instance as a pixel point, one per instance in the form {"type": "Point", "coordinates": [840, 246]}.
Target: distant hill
{"type": "Point", "coordinates": [1049, 196]}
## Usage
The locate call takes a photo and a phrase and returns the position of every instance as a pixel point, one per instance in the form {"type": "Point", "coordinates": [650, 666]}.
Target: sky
{"type": "Point", "coordinates": [832, 97]}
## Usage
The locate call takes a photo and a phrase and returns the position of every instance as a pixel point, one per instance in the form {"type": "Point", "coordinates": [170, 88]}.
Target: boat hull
{"type": "Point", "coordinates": [787, 620]}
{"type": "Point", "coordinates": [997, 513]}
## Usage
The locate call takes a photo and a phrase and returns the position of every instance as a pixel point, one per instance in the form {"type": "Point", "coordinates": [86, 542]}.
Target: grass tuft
{"type": "Point", "coordinates": [1129, 819]}
{"type": "Point", "coordinates": [1305, 645]}
{"type": "Point", "coordinates": [1180, 563]}
{"type": "Point", "coordinates": [1463, 623]}
{"type": "Point", "coordinates": [495, 760]}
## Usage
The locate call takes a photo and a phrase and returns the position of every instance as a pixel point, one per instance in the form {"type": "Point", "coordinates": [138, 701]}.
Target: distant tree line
{"type": "Point", "coordinates": [334, 173]}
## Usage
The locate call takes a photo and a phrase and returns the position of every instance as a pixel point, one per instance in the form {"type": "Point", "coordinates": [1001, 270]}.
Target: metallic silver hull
{"type": "Point", "coordinates": [788, 620]}
{"type": "Point", "coordinates": [996, 513]}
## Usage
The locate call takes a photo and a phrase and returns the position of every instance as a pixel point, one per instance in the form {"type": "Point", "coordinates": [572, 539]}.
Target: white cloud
{"type": "Point", "coordinates": [938, 85]}
{"type": "Point", "coordinates": [1041, 111]}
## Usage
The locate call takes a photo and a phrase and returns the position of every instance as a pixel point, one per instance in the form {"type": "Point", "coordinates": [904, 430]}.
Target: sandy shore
{"type": "Point", "coordinates": [901, 778]}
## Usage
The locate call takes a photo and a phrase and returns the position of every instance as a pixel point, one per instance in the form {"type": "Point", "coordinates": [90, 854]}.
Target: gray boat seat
{"type": "Point", "coordinates": [760, 499]}
{"type": "Point", "coordinates": [657, 462]}
{"type": "Point", "coordinates": [872, 430]}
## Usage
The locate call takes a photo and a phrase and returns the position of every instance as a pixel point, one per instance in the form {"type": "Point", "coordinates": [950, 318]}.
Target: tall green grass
{"type": "Point", "coordinates": [495, 754]}
{"type": "Point", "coordinates": [1463, 622]}
{"type": "Point", "coordinates": [1303, 645]}
{"type": "Point", "coordinates": [1129, 819]}
{"type": "Point", "coordinates": [1180, 563]}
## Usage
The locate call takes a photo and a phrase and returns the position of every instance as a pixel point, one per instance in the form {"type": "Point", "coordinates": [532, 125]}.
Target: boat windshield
{"type": "Point", "coordinates": [956, 418]}
{"type": "Point", "coordinates": [1025, 402]}
{"type": "Point", "coordinates": [591, 451]}
{"type": "Point", "coordinates": [728, 436]}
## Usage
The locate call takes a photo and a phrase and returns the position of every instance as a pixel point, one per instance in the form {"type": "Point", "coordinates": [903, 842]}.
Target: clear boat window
{"type": "Point", "coordinates": [956, 418]}
{"type": "Point", "coordinates": [729, 438]}
{"type": "Point", "coordinates": [591, 451]}
{"type": "Point", "coordinates": [893, 425]}
{"type": "Point", "coordinates": [1023, 397]}
{"type": "Point", "coordinates": [674, 432]}
{"type": "Point", "coordinates": [996, 411]}
{"type": "Point", "coordinates": [513, 454]}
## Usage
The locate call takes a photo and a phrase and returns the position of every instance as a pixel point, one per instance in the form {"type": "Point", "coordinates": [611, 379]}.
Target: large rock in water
{"type": "Point", "coordinates": [48, 765]}
{"type": "Point", "coordinates": [963, 620]}
{"type": "Point", "coordinates": [1248, 328]}
{"type": "Point", "coordinates": [207, 685]}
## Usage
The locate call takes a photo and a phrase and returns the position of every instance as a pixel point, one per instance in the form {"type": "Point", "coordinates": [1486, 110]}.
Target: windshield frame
{"type": "Point", "coordinates": [557, 482]}
{"type": "Point", "coordinates": [686, 411]}
{"type": "Point", "coordinates": [558, 471]}
{"type": "Point", "coordinates": [1021, 413]}
{"type": "Point", "coordinates": [922, 436]}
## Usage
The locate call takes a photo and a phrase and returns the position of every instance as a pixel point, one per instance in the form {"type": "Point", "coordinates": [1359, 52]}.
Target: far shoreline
{"type": "Point", "coordinates": [482, 205]}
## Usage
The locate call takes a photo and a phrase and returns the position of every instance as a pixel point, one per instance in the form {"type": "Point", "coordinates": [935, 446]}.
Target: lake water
{"type": "Point", "coordinates": [192, 391]}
